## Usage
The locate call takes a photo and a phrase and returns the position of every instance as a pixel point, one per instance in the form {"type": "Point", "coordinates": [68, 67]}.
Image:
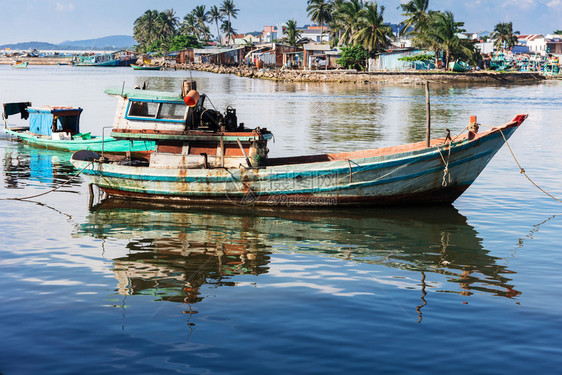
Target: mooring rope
{"type": "Point", "coordinates": [521, 170]}
{"type": "Point", "coordinates": [49, 191]}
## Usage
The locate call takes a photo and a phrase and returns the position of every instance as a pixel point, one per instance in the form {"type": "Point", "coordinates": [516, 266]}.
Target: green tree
{"type": "Point", "coordinates": [353, 57]}
{"type": "Point", "coordinates": [344, 20]}
{"type": "Point", "coordinates": [189, 25]}
{"type": "Point", "coordinates": [145, 28]}
{"type": "Point", "coordinates": [167, 24]}
{"type": "Point", "coordinates": [557, 32]}
{"type": "Point", "coordinates": [181, 42]}
{"type": "Point", "coordinates": [440, 35]}
{"type": "Point", "coordinates": [201, 18]}
{"type": "Point", "coordinates": [293, 34]}
{"type": "Point", "coordinates": [320, 11]}
{"type": "Point", "coordinates": [216, 16]}
{"type": "Point", "coordinates": [228, 8]}
{"type": "Point", "coordinates": [504, 35]}
{"type": "Point", "coordinates": [371, 31]}
{"type": "Point", "coordinates": [417, 13]}
{"type": "Point", "coordinates": [227, 28]}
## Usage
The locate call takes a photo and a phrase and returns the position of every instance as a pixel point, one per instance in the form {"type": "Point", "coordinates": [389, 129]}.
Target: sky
{"type": "Point", "coordinates": [55, 21]}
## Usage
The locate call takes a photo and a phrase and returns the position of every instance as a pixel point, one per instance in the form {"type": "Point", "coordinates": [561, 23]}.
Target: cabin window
{"type": "Point", "coordinates": [157, 111]}
{"type": "Point", "coordinates": [172, 111]}
{"type": "Point", "coordinates": [143, 109]}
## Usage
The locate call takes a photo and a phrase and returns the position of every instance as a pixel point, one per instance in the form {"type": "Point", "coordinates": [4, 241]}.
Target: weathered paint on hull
{"type": "Point", "coordinates": [442, 196]}
{"type": "Point", "coordinates": [410, 177]}
{"type": "Point", "coordinates": [110, 145]}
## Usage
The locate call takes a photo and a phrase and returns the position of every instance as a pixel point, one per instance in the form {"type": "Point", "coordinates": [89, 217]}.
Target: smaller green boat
{"type": "Point", "coordinates": [58, 128]}
{"type": "Point", "coordinates": [146, 67]}
{"type": "Point", "coordinates": [20, 64]}
{"type": "Point", "coordinates": [459, 66]}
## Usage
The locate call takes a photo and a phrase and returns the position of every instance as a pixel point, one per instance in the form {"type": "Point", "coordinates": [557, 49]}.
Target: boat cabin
{"type": "Point", "coordinates": [187, 136]}
{"type": "Point", "coordinates": [55, 122]}
{"type": "Point", "coordinates": [48, 121]}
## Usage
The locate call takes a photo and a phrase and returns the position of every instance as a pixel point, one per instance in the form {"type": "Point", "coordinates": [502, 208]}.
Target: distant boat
{"type": "Point", "coordinates": [20, 64]}
{"type": "Point", "coordinates": [58, 128]}
{"type": "Point", "coordinates": [120, 58]}
{"type": "Point", "coordinates": [146, 67]}
{"type": "Point", "coordinates": [551, 68]}
{"type": "Point", "coordinates": [97, 60]}
{"type": "Point", "coordinates": [459, 66]}
{"type": "Point", "coordinates": [204, 156]}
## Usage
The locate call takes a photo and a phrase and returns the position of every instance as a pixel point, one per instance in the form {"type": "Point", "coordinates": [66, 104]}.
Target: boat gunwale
{"type": "Point", "coordinates": [322, 168]}
{"type": "Point", "coordinates": [391, 150]}
{"type": "Point", "coordinates": [74, 145]}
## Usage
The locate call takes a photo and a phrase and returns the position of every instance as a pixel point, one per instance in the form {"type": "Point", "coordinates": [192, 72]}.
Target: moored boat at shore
{"type": "Point", "coordinates": [20, 64]}
{"type": "Point", "coordinates": [459, 66]}
{"type": "Point", "coordinates": [203, 156]}
{"type": "Point", "coordinates": [120, 58]}
{"type": "Point", "coordinates": [146, 67]}
{"type": "Point", "coordinates": [58, 128]}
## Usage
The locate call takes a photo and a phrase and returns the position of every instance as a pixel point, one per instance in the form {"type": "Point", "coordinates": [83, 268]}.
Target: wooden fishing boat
{"type": "Point", "coordinates": [146, 67]}
{"type": "Point", "coordinates": [203, 156]}
{"type": "Point", "coordinates": [58, 128]}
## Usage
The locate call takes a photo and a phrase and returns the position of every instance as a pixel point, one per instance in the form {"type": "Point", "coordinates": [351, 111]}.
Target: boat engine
{"type": "Point", "coordinates": [230, 119]}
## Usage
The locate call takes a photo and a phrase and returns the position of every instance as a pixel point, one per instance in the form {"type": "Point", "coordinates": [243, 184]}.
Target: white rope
{"type": "Point", "coordinates": [521, 170]}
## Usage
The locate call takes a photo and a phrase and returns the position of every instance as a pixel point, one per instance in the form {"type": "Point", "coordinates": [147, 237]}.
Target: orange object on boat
{"type": "Point", "coordinates": [191, 98]}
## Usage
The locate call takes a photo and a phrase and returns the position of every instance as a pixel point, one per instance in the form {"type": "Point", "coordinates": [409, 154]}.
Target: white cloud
{"type": "Point", "coordinates": [522, 4]}
{"type": "Point", "coordinates": [61, 7]}
{"type": "Point", "coordinates": [554, 3]}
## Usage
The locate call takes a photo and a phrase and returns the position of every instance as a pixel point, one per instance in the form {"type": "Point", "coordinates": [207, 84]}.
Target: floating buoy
{"type": "Point", "coordinates": [191, 98]}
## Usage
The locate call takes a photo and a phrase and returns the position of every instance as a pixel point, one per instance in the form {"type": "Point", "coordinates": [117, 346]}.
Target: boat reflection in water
{"type": "Point", "coordinates": [23, 166]}
{"type": "Point", "coordinates": [172, 252]}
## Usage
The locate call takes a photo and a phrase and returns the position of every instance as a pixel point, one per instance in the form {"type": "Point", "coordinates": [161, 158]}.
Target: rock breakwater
{"type": "Point", "coordinates": [347, 76]}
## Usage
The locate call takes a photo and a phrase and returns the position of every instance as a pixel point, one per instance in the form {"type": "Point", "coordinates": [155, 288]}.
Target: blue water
{"type": "Point", "coordinates": [123, 288]}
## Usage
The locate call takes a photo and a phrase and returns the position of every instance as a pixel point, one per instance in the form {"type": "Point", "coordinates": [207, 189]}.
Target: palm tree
{"type": "Point", "coordinates": [167, 24]}
{"type": "Point", "coordinates": [440, 35]}
{"type": "Point", "coordinates": [504, 35]}
{"type": "Point", "coordinates": [145, 28]}
{"type": "Point", "coordinates": [189, 25]}
{"type": "Point", "coordinates": [293, 34]}
{"type": "Point", "coordinates": [228, 8]}
{"type": "Point", "coordinates": [418, 15]}
{"type": "Point", "coordinates": [201, 17]}
{"type": "Point", "coordinates": [371, 32]}
{"type": "Point", "coordinates": [226, 28]}
{"type": "Point", "coordinates": [215, 15]}
{"type": "Point", "coordinates": [334, 24]}
{"type": "Point", "coordinates": [320, 11]}
{"type": "Point", "coordinates": [345, 18]}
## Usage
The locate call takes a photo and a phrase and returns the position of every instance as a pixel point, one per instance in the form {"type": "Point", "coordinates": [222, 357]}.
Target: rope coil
{"type": "Point", "coordinates": [447, 179]}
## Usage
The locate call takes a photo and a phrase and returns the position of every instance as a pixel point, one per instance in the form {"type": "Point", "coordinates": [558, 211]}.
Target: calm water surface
{"type": "Point", "coordinates": [120, 288]}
